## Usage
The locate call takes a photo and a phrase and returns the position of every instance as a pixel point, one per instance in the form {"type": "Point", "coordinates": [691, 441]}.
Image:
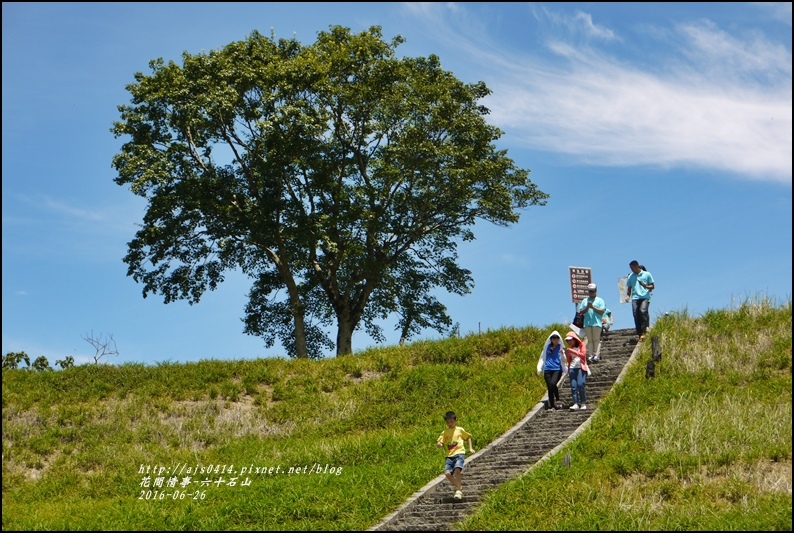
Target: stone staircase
{"type": "Point", "coordinates": [523, 446]}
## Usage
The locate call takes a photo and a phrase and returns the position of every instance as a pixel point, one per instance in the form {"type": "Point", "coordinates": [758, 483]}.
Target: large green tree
{"type": "Point", "coordinates": [338, 176]}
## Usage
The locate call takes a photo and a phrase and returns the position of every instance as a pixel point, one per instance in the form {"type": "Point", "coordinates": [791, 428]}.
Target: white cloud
{"type": "Point", "coordinates": [720, 56]}
{"type": "Point", "coordinates": [734, 118]}
{"type": "Point", "coordinates": [42, 226]}
{"type": "Point", "coordinates": [513, 260]}
{"type": "Point", "coordinates": [585, 21]}
{"type": "Point", "coordinates": [579, 25]}
{"type": "Point", "coordinates": [780, 11]}
{"type": "Point", "coordinates": [71, 211]}
{"type": "Point", "coordinates": [707, 99]}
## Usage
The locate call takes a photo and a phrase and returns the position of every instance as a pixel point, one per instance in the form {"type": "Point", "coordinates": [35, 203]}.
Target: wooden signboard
{"type": "Point", "coordinates": [581, 277]}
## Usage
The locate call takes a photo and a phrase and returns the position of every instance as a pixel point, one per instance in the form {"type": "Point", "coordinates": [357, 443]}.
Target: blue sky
{"type": "Point", "coordinates": [661, 131]}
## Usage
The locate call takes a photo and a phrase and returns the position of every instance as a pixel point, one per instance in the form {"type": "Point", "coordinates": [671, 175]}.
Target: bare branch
{"type": "Point", "coordinates": [102, 345]}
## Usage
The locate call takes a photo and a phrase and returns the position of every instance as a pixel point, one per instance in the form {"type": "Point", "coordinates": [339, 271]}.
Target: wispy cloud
{"type": "Point", "coordinates": [513, 260]}
{"type": "Point", "coordinates": [719, 56]}
{"type": "Point", "coordinates": [41, 206]}
{"type": "Point", "coordinates": [585, 21]}
{"type": "Point", "coordinates": [780, 11]}
{"type": "Point", "coordinates": [42, 226]}
{"type": "Point", "coordinates": [113, 217]}
{"type": "Point", "coordinates": [715, 100]}
{"type": "Point", "coordinates": [71, 211]}
{"type": "Point", "coordinates": [580, 24]}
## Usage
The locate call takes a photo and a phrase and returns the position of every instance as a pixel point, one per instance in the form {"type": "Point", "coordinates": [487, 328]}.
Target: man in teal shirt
{"type": "Point", "coordinates": [638, 288]}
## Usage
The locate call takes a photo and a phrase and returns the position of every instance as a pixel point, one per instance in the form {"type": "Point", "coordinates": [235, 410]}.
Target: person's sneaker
{"type": "Point", "coordinates": [574, 407]}
{"type": "Point", "coordinates": [559, 406]}
{"type": "Point", "coordinates": [596, 358]}
{"type": "Point", "coordinates": [582, 407]}
{"type": "Point", "coordinates": [458, 494]}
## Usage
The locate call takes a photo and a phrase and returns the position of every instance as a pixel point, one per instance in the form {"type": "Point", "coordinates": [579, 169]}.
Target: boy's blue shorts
{"type": "Point", "coordinates": [456, 461]}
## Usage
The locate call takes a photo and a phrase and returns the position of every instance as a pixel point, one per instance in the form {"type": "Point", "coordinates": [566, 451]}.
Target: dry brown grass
{"type": "Point", "coordinates": [186, 421]}
{"type": "Point", "coordinates": [653, 494]}
{"type": "Point", "coordinates": [698, 423]}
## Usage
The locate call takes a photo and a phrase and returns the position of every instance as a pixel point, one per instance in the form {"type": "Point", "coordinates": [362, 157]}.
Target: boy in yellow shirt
{"type": "Point", "coordinates": [452, 439]}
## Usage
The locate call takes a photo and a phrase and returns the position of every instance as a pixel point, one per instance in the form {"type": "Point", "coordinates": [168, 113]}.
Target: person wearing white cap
{"type": "Point", "coordinates": [594, 308]}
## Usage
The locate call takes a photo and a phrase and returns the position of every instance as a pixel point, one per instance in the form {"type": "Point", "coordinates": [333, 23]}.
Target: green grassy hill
{"type": "Point", "coordinates": [337, 444]}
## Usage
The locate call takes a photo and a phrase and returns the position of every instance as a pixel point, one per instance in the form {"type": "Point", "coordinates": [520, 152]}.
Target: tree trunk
{"type": "Point", "coordinates": [344, 336]}
{"type": "Point", "coordinates": [298, 312]}
{"type": "Point", "coordinates": [298, 315]}
{"type": "Point", "coordinates": [406, 330]}
{"type": "Point", "coordinates": [348, 316]}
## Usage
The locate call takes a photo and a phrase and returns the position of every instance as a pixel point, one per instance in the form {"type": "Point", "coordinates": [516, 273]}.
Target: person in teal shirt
{"type": "Point", "coordinates": [606, 323]}
{"type": "Point", "coordinates": [594, 308]}
{"type": "Point", "coordinates": [650, 293]}
{"type": "Point", "coordinates": [638, 288]}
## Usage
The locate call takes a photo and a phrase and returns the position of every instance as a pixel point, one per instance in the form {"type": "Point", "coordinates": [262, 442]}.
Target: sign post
{"type": "Point", "coordinates": [581, 277]}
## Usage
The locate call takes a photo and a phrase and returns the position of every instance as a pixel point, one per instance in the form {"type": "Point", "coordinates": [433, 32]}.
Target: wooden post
{"type": "Point", "coordinates": [656, 350]}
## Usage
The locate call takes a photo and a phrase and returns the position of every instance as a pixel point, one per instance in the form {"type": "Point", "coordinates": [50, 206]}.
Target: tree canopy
{"type": "Point", "coordinates": [337, 176]}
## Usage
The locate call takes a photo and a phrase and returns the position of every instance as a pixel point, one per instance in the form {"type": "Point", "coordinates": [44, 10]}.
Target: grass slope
{"type": "Point", "coordinates": [337, 444]}
{"type": "Point", "coordinates": [706, 445]}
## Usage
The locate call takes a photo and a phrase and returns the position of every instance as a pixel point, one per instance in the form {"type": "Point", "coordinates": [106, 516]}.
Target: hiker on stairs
{"type": "Point", "coordinates": [594, 307]}
{"type": "Point", "coordinates": [576, 355]}
{"type": "Point", "coordinates": [452, 440]}
{"type": "Point", "coordinates": [553, 366]}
